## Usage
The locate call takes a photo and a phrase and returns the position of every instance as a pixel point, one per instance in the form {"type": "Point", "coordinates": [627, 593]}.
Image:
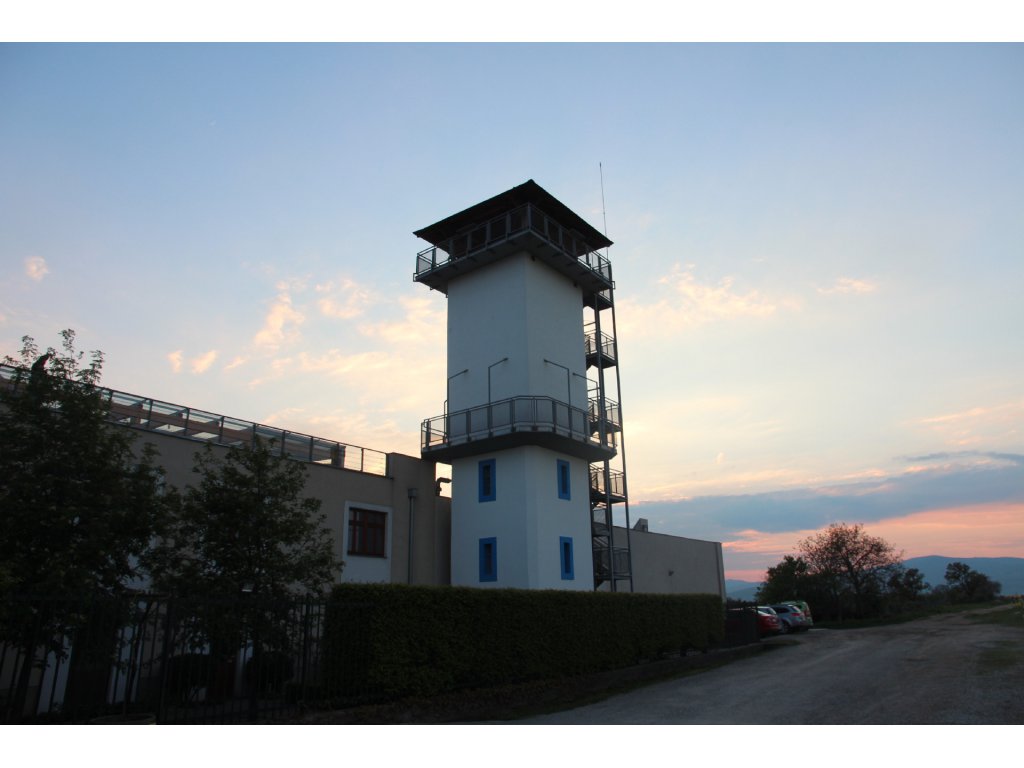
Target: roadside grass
{"type": "Point", "coordinates": [1010, 616]}
{"type": "Point", "coordinates": [920, 613]}
{"type": "Point", "coordinates": [1005, 654]}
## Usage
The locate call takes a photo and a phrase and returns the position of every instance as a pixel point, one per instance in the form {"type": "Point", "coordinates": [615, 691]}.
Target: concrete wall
{"type": "Point", "coordinates": [673, 564]}
{"type": "Point", "coordinates": [339, 490]}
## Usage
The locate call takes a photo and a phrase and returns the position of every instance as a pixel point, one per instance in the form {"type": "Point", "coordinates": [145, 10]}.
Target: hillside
{"type": "Point", "coordinates": [1008, 571]}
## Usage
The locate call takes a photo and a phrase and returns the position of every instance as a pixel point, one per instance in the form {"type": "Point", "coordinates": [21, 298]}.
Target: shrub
{"type": "Point", "coordinates": [386, 641]}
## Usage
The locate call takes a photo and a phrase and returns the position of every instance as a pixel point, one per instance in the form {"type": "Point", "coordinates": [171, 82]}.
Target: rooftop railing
{"type": "Point", "coordinates": [151, 415]}
{"type": "Point", "coordinates": [501, 229]}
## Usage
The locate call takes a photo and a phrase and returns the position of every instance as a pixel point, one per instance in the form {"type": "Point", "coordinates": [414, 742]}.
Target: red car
{"type": "Point", "coordinates": [767, 621]}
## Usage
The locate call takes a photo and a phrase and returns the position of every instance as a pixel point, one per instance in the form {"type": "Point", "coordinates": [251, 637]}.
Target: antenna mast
{"type": "Point", "coordinates": [604, 214]}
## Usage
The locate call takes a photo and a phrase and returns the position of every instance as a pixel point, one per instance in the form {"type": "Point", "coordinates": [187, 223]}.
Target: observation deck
{"type": "Point", "coordinates": [517, 421]}
{"type": "Point", "coordinates": [525, 218]}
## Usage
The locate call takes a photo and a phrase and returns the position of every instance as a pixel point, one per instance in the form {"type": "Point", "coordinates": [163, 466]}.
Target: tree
{"type": "Point", "coordinates": [905, 587]}
{"type": "Point", "coordinates": [242, 547]}
{"type": "Point", "coordinates": [852, 566]}
{"type": "Point", "coordinates": [785, 581]}
{"type": "Point", "coordinates": [244, 529]}
{"type": "Point", "coordinates": [968, 585]}
{"type": "Point", "coordinates": [78, 508]}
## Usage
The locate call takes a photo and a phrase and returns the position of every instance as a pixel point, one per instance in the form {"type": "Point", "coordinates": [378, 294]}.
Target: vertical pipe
{"type": "Point", "coordinates": [622, 448]}
{"type": "Point", "coordinates": [412, 492]}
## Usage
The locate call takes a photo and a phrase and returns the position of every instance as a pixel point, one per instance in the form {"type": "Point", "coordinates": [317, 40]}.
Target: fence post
{"type": "Point", "coordinates": [165, 661]}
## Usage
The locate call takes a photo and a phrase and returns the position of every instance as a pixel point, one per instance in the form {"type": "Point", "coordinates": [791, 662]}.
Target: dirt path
{"type": "Point", "coordinates": [947, 669]}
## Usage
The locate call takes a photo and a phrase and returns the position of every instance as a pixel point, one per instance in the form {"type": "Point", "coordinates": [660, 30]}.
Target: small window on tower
{"type": "Point", "coordinates": [487, 480]}
{"type": "Point", "coordinates": [564, 489]}
{"type": "Point", "coordinates": [565, 546]}
{"type": "Point", "coordinates": [489, 559]}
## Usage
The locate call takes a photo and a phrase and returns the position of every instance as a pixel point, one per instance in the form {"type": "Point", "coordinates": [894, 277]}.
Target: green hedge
{"type": "Point", "coordinates": [387, 641]}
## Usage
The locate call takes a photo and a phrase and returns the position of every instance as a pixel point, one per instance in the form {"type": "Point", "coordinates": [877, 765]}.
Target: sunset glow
{"type": "Point", "coordinates": [818, 254]}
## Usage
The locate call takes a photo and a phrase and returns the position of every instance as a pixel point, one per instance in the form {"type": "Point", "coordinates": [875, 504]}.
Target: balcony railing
{"type": "Point", "coordinates": [181, 421]}
{"type": "Point", "coordinates": [616, 487]}
{"type": "Point", "coordinates": [599, 343]}
{"type": "Point", "coordinates": [506, 227]}
{"type": "Point", "coordinates": [621, 560]}
{"type": "Point", "coordinates": [516, 415]}
{"type": "Point", "coordinates": [612, 415]}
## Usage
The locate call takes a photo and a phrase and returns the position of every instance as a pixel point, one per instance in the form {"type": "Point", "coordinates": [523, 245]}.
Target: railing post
{"type": "Point", "coordinates": [165, 661]}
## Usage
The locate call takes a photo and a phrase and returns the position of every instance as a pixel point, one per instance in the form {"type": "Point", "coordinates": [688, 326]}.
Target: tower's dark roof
{"type": "Point", "coordinates": [529, 192]}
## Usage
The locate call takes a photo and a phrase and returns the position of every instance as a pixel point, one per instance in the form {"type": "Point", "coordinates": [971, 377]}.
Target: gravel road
{"type": "Point", "coordinates": [947, 669]}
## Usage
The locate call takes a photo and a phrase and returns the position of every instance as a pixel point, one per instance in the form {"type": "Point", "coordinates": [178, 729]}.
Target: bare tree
{"type": "Point", "coordinates": [853, 565]}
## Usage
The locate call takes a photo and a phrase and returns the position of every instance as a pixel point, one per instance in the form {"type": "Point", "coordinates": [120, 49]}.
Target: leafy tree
{"type": "Point", "coordinates": [786, 581]}
{"type": "Point", "coordinates": [852, 566]}
{"type": "Point", "coordinates": [242, 547]}
{"type": "Point", "coordinates": [968, 585]}
{"type": "Point", "coordinates": [78, 507]}
{"type": "Point", "coordinates": [245, 529]}
{"type": "Point", "coordinates": [905, 587]}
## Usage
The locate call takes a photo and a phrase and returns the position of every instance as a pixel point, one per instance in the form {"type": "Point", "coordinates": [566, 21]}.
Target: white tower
{"type": "Point", "coordinates": [519, 427]}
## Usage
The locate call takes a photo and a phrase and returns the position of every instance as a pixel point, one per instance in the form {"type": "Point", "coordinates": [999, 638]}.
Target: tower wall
{"type": "Point", "coordinates": [520, 309]}
{"type": "Point", "coordinates": [528, 522]}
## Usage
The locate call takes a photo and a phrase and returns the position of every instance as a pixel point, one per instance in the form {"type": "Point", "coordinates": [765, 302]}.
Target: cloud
{"type": "Point", "coordinates": [961, 480]}
{"type": "Point", "coordinates": [201, 363]}
{"type": "Point", "coordinates": [682, 301]}
{"type": "Point", "coordinates": [35, 268]}
{"type": "Point", "coordinates": [344, 299]}
{"type": "Point", "coordinates": [849, 285]}
{"type": "Point", "coordinates": [237, 361]}
{"type": "Point", "coordinates": [175, 360]}
{"type": "Point", "coordinates": [280, 323]}
{"type": "Point", "coordinates": [997, 423]}
{"type": "Point", "coordinates": [423, 323]}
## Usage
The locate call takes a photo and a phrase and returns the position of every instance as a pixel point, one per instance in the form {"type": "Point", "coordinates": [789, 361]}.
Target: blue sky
{"type": "Point", "coordinates": [819, 253]}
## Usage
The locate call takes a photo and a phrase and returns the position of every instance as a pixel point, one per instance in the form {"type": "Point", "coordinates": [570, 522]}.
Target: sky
{"type": "Point", "coordinates": [819, 254]}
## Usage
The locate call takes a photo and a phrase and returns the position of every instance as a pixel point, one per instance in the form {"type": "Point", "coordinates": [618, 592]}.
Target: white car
{"type": "Point", "coordinates": [791, 618]}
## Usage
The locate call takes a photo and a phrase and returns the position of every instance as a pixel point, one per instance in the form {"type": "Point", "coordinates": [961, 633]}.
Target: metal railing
{"type": "Point", "coordinates": [605, 343]}
{"type": "Point", "coordinates": [166, 660]}
{"type": "Point", "coordinates": [500, 229]}
{"type": "Point", "coordinates": [621, 560]}
{"type": "Point", "coordinates": [516, 414]}
{"type": "Point", "coordinates": [616, 487]}
{"type": "Point", "coordinates": [612, 414]}
{"type": "Point", "coordinates": [151, 415]}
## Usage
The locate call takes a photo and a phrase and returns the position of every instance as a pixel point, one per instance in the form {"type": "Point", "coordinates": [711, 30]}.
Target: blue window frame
{"type": "Point", "coordinates": [565, 555]}
{"type": "Point", "coordinates": [487, 480]}
{"type": "Point", "coordinates": [489, 559]}
{"type": "Point", "coordinates": [564, 485]}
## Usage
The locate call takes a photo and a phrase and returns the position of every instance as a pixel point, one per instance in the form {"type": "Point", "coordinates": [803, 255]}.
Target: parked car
{"type": "Point", "coordinates": [791, 618]}
{"type": "Point", "coordinates": [803, 607]}
{"type": "Point", "coordinates": [767, 621]}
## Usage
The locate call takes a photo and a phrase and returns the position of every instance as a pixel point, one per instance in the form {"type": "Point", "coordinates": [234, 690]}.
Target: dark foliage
{"type": "Point", "coordinates": [391, 641]}
{"type": "Point", "coordinates": [246, 537]}
{"type": "Point", "coordinates": [78, 508]}
{"type": "Point", "coordinates": [967, 585]}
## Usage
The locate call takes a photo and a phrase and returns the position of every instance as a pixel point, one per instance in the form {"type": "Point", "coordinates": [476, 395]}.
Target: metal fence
{"type": "Point", "coordinates": [162, 660]}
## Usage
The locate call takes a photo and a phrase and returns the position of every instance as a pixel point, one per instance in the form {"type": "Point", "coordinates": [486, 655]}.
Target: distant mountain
{"type": "Point", "coordinates": [741, 590]}
{"type": "Point", "coordinates": [1008, 571]}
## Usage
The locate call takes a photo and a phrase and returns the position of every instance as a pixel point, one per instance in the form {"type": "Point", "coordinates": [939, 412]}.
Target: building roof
{"type": "Point", "coordinates": [529, 192]}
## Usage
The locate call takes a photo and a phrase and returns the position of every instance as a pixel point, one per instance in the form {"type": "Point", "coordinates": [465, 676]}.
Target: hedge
{"type": "Point", "coordinates": [389, 641]}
